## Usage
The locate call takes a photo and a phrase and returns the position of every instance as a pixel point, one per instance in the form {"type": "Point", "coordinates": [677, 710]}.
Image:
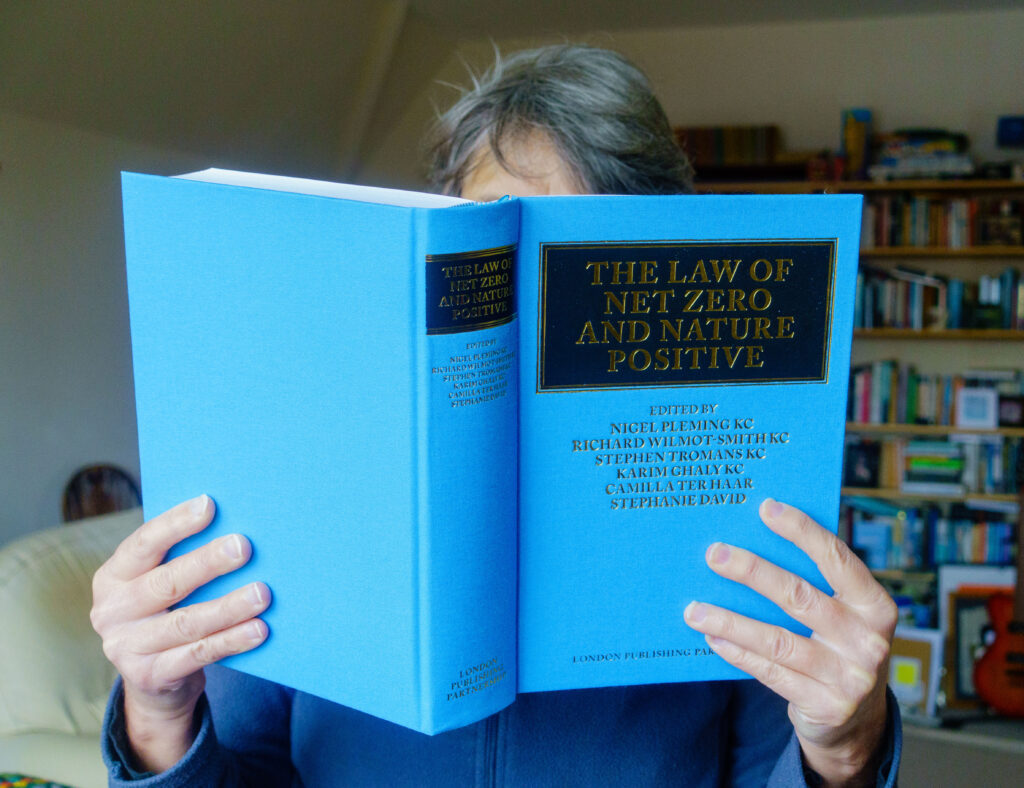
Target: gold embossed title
{"type": "Point", "coordinates": [685, 314]}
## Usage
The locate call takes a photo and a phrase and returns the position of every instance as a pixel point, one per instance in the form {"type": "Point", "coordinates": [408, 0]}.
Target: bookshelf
{"type": "Point", "coordinates": [957, 231]}
{"type": "Point", "coordinates": [945, 186]}
{"type": "Point", "coordinates": [941, 334]}
{"type": "Point", "coordinates": [992, 250]}
{"type": "Point", "coordinates": [896, 494]}
{"type": "Point", "coordinates": [930, 430]}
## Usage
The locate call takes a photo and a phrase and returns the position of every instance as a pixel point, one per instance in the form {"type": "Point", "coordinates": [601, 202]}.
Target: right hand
{"type": "Point", "coordinates": [160, 653]}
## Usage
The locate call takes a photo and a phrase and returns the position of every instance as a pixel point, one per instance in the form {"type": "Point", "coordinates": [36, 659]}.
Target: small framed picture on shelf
{"type": "Point", "coordinates": [963, 593]}
{"type": "Point", "coordinates": [915, 670]}
{"type": "Point", "coordinates": [1011, 410]}
{"type": "Point", "coordinates": [968, 626]}
{"type": "Point", "coordinates": [977, 408]}
{"type": "Point", "coordinates": [861, 463]}
{"type": "Point", "coordinates": [1001, 230]}
{"type": "Point", "coordinates": [974, 578]}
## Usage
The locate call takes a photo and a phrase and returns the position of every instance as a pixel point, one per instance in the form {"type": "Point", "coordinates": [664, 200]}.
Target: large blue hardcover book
{"type": "Point", "coordinates": [481, 449]}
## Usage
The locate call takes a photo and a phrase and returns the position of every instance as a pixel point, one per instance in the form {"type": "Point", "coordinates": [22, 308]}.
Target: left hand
{"type": "Point", "coordinates": [835, 679]}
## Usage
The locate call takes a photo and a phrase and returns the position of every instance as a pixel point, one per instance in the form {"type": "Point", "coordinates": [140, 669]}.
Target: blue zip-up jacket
{"type": "Point", "coordinates": [255, 733]}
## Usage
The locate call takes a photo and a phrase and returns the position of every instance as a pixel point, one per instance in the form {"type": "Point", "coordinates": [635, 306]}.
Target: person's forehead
{"type": "Point", "coordinates": [534, 168]}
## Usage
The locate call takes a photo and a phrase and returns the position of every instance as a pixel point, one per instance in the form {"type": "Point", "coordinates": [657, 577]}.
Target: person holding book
{"type": "Point", "coordinates": [557, 120]}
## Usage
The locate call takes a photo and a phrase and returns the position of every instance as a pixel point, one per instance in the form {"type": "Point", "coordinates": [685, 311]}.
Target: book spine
{"type": "Point", "coordinates": [1008, 296]}
{"type": "Point", "coordinates": [956, 300]}
{"type": "Point", "coordinates": [467, 416]}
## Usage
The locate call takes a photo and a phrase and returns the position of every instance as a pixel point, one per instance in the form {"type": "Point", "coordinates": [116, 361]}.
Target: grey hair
{"type": "Point", "coordinates": [597, 108]}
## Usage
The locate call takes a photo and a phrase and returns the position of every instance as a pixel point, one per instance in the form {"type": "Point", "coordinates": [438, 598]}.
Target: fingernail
{"type": "Point", "coordinates": [774, 508]}
{"type": "Point", "coordinates": [257, 630]}
{"type": "Point", "coordinates": [695, 612]}
{"type": "Point", "coordinates": [713, 641]}
{"type": "Point", "coordinates": [199, 505]}
{"type": "Point", "coordinates": [256, 594]}
{"type": "Point", "coordinates": [232, 546]}
{"type": "Point", "coordinates": [719, 553]}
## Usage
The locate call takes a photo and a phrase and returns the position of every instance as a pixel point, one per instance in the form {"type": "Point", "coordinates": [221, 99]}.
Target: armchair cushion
{"type": "Point", "coordinates": [54, 678]}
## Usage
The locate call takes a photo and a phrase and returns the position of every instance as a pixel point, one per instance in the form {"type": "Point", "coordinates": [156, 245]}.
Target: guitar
{"type": "Point", "coordinates": [999, 674]}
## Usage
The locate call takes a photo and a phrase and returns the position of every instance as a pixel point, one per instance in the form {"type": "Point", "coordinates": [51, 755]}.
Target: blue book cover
{"type": "Point", "coordinates": [682, 358]}
{"type": "Point", "coordinates": [480, 449]}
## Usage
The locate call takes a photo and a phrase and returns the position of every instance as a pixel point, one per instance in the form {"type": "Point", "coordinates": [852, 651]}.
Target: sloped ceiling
{"type": "Point", "coordinates": [303, 85]}
{"type": "Point", "coordinates": [232, 79]}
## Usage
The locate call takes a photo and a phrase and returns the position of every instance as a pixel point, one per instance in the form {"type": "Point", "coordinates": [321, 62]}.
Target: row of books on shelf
{"type": "Point", "coordinates": [927, 537]}
{"type": "Point", "coordinates": [968, 464]}
{"type": "Point", "coordinates": [903, 298]}
{"type": "Point", "coordinates": [893, 392]}
{"type": "Point", "coordinates": [718, 145]}
{"type": "Point", "coordinates": [893, 220]}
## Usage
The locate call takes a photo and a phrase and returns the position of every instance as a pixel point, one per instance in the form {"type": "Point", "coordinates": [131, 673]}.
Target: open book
{"type": "Point", "coordinates": [481, 449]}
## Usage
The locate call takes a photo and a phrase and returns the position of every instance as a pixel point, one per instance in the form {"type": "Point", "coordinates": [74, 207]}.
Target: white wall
{"type": "Point", "coordinates": [954, 71]}
{"type": "Point", "coordinates": [66, 396]}
{"type": "Point", "coordinates": [957, 71]}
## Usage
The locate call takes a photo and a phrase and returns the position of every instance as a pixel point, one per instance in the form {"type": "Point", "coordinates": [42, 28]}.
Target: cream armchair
{"type": "Point", "coordinates": [54, 679]}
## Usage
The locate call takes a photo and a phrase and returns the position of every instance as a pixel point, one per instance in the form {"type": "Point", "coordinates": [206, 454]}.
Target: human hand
{"type": "Point", "coordinates": [834, 680]}
{"type": "Point", "coordinates": [160, 653]}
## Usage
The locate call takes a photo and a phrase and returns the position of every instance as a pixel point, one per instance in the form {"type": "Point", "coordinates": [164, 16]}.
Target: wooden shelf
{"type": "Point", "coordinates": [893, 493]}
{"type": "Point", "coordinates": [766, 187]}
{"type": "Point", "coordinates": [992, 733]}
{"type": "Point", "coordinates": [905, 575]}
{"type": "Point", "coordinates": [928, 430]}
{"type": "Point", "coordinates": [931, 185]}
{"type": "Point", "coordinates": [859, 187]}
{"type": "Point", "coordinates": [942, 334]}
{"type": "Point", "coordinates": [943, 251]}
